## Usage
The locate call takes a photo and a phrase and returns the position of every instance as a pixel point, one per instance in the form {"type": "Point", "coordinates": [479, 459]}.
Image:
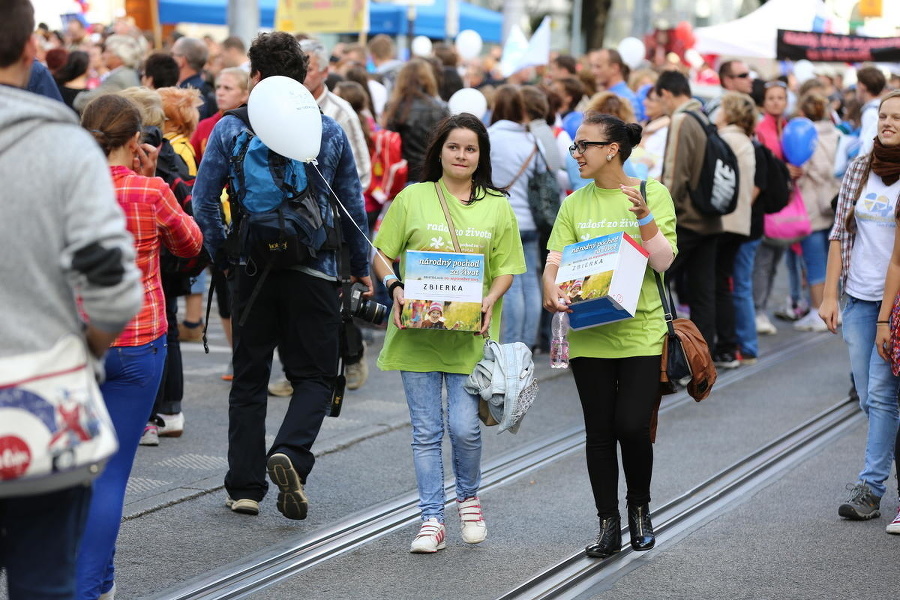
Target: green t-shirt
{"type": "Point", "coordinates": [591, 212]}
{"type": "Point", "coordinates": [415, 221]}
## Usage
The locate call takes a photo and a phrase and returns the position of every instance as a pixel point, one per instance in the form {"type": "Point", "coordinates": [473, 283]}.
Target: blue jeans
{"type": "Point", "coordinates": [877, 388]}
{"type": "Point", "coordinates": [39, 537]}
{"type": "Point", "coordinates": [426, 411]}
{"type": "Point", "coordinates": [742, 296]}
{"type": "Point", "coordinates": [522, 303]}
{"type": "Point", "coordinates": [133, 374]}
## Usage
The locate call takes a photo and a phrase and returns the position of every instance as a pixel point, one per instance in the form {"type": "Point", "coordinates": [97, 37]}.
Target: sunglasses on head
{"type": "Point", "coordinates": [772, 84]}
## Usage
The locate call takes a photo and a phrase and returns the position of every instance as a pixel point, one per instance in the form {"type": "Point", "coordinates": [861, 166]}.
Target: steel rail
{"type": "Point", "coordinates": [578, 574]}
{"type": "Point", "coordinates": [289, 558]}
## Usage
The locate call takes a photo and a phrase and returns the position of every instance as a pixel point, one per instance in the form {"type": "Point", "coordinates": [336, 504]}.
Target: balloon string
{"type": "Point", "coordinates": [315, 165]}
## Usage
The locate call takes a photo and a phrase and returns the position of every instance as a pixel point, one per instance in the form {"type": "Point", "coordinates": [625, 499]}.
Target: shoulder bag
{"type": "Point", "coordinates": [504, 379]}
{"type": "Point", "coordinates": [55, 431]}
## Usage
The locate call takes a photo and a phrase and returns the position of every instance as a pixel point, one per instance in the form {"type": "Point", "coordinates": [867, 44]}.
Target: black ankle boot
{"type": "Point", "coordinates": [609, 540]}
{"type": "Point", "coordinates": [642, 536]}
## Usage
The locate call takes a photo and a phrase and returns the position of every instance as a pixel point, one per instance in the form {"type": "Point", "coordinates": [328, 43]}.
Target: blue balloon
{"type": "Point", "coordinates": [799, 140]}
{"type": "Point", "coordinates": [572, 122]}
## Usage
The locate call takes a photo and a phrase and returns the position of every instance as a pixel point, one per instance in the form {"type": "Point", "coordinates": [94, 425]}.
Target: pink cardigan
{"type": "Point", "coordinates": [768, 132]}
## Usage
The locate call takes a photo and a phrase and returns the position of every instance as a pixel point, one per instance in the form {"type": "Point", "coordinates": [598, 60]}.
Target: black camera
{"type": "Point", "coordinates": [365, 309]}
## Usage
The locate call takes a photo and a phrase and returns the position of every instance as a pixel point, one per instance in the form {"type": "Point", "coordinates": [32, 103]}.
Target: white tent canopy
{"type": "Point", "coordinates": [755, 34]}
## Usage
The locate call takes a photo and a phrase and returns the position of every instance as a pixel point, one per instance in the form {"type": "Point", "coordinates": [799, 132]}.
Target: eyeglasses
{"type": "Point", "coordinates": [741, 75]}
{"type": "Point", "coordinates": [581, 145]}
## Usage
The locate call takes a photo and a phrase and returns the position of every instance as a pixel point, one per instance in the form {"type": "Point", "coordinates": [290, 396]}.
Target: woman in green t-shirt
{"type": "Point", "coordinates": [457, 164]}
{"type": "Point", "coordinates": [616, 366]}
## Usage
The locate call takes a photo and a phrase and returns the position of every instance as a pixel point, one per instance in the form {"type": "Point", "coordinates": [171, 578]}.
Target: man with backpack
{"type": "Point", "coordinates": [686, 145]}
{"type": "Point", "coordinates": [277, 302]}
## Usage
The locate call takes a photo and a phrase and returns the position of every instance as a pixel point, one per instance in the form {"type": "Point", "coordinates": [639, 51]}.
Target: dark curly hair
{"type": "Point", "coordinates": [482, 178]}
{"type": "Point", "coordinates": [277, 53]}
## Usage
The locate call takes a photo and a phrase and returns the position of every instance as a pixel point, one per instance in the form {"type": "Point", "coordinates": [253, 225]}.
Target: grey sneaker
{"type": "Point", "coordinates": [861, 505]}
{"type": "Point", "coordinates": [292, 501]}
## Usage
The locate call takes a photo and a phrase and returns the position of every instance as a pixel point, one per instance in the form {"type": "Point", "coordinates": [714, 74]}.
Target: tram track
{"type": "Point", "coordinates": [294, 556]}
{"type": "Point", "coordinates": [578, 575]}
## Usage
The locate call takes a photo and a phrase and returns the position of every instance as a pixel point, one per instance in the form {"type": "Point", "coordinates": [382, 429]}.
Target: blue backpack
{"type": "Point", "coordinates": [278, 223]}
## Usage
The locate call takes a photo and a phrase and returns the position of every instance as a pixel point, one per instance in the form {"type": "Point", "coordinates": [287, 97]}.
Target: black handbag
{"type": "Point", "coordinates": [543, 197]}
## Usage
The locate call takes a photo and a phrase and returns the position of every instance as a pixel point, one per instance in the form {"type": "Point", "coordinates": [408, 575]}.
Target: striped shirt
{"type": "Point", "coordinates": [152, 215]}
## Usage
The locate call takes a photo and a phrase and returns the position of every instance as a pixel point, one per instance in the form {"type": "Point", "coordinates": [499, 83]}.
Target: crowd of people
{"type": "Point", "coordinates": [625, 149]}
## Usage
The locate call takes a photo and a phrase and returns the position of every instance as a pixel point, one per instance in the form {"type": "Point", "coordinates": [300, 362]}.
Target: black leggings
{"type": "Point", "coordinates": [618, 396]}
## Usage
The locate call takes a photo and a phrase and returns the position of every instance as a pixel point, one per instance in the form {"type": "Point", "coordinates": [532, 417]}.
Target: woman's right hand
{"type": "Point", "coordinates": [555, 299]}
{"type": "Point", "coordinates": [399, 301]}
{"type": "Point", "coordinates": [829, 312]}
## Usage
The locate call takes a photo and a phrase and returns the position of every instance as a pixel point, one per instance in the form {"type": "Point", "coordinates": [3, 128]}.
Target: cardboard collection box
{"type": "Point", "coordinates": [602, 278]}
{"type": "Point", "coordinates": [443, 290]}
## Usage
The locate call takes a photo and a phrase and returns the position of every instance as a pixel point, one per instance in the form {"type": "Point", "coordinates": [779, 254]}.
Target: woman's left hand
{"type": "Point", "coordinates": [639, 206]}
{"type": "Point", "coordinates": [883, 341]}
{"type": "Point", "coordinates": [487, 310]}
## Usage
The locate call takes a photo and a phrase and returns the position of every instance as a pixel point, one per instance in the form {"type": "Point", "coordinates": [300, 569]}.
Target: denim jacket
{"type": "Point", "coordinates": [335, 162]}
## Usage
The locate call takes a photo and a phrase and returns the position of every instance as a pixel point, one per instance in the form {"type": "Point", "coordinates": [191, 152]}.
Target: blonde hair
{"type": "Point", "coordinates": [181, 108]}
{"type": "Point", "coordinates": [149, 103]}
{"type": "Point", "coordinates": [739, 109]}
{"type": "Point", "coordinates": [242, 77]}
{"type": "Point", "coordinates": [609, 103]}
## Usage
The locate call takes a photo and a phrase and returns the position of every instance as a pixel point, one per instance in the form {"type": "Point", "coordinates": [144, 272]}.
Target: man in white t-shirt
{"type": "Point", "coordinates": [870, 84]}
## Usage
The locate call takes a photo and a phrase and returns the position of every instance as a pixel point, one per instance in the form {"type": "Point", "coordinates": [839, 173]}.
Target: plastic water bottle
{"type": "Point", "coordinates": [559, 345]}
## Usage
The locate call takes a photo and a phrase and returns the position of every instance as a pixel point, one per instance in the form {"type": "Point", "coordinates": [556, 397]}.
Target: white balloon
{"type": "Point", "coordinates": [286, 117]}
{"type": "Point", "coordinates": [468, 100]}
{"type": "Point", "coordinates": [804, 70]}
{"type": "Point", "coordinates": [421, 46]}
{"type": "Point", "coordinates": [632, 51]}
{"type": "Point", "coordinates": [468, 44]}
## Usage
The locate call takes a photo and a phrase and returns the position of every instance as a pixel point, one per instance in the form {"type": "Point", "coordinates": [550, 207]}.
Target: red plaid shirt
{"type": "Point", "coordinates": [152, 215]}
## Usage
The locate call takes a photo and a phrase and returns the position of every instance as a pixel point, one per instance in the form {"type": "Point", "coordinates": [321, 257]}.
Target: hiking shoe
{"type": "Point", "coordinates": [726, 360]}
{"type": "Point", "coordinates": [764, 325]}
{"type": "Point", "coordinates": [150, 437]}
{"type": "Point", "coordinates": [430, 538]}
{"type": "Point", "coordinates": [292, 502]}
{"type": "Point", "coordinates": [811, 322]}
{"type": "Point", "coordinates": [187, 333]}
{"type": "Point", "coordinates": [474, 531]}
{"type": "Point", "coordinates": [861, 505]}
{"type": "Point", "coordinates": [172, 425]}
{"type": "Point", "coordinates": [244, 506]}
{"type": "Point", "coordinates": [282, 389]}
{"type": "Point", "coordinates": [356, 374]}
{"type": "Point", "coordinates": [894, 526]}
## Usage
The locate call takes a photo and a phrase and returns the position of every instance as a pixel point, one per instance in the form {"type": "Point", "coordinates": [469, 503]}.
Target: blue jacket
{"type": "Point", "coordinates": [335, 162]}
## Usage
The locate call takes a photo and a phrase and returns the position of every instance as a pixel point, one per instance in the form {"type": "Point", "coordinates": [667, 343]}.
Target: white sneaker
{"type": "Point", "coordinates": [474, 531]}
{"type": "Point", "coordinates": [282, 389]}
{"type": "Point", "coordinates": [110, 595]}
{"type": "Point", "coordinates": [811, 322]}
{"type": "Point", "coordinates": [430, 538]}
{"type": "Point", "coordinates": [894, 526]}
{"type": "Point", "coordinates": [173, 425]}
{"type": "Point", "coordinates": [244, 506]}
{"type": "Point", "coordinates": [150, 437]}
{"type": "Point", "coordinates": [764, 325]}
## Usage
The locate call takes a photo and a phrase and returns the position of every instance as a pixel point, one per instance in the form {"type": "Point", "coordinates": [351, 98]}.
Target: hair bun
{"type": "Point", "coordinates": [634, 133]}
